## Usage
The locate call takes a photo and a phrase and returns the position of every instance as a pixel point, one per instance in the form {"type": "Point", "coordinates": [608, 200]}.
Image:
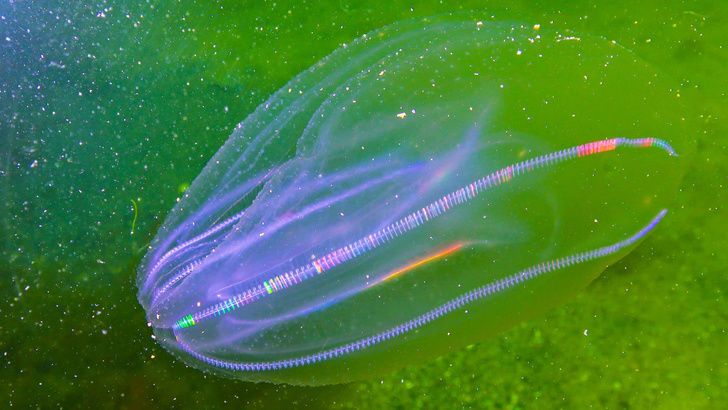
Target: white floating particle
{"type": "Point", "coordinates": [568, 38]}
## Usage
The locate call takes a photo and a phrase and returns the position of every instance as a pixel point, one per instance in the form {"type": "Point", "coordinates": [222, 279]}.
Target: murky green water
{"type": "Point", "coordinates": [110, 111]}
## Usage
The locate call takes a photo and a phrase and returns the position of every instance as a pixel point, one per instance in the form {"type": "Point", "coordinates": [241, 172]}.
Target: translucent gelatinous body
{"type": "Point", "coordinates": [419, 190]}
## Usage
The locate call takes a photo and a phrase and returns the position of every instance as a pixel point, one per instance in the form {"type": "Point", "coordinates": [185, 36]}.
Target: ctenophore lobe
{"type": "Point", "coordinates": [420, 189]}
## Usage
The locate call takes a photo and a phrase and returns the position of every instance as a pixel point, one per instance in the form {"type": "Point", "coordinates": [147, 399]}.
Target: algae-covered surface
{"type": "Point", "coordinates": [109, 112]}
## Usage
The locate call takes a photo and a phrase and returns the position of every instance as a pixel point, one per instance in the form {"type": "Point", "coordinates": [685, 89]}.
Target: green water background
{"type": "Point", "coordinates": [107, 113]}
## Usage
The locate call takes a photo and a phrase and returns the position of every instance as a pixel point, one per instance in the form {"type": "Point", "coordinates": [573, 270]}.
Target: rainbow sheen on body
{"type": "Point", "coordinates": [421, 189]}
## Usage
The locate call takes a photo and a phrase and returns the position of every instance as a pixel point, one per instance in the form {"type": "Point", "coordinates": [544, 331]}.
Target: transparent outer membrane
{"type": "Point", "coordinates": [421, 189]}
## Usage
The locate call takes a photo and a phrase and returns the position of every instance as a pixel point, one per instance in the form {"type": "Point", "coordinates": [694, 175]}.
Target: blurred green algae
{"type": "Point", "coordinates": [161, 92]}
